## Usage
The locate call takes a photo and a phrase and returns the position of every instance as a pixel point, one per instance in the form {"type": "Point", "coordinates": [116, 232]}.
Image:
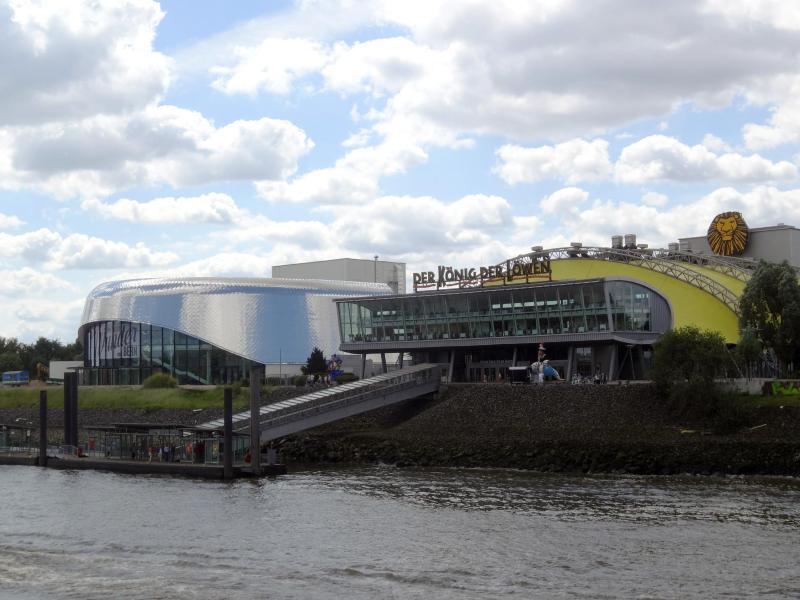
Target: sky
{"type": "Point", "coordinates": [147, 139]}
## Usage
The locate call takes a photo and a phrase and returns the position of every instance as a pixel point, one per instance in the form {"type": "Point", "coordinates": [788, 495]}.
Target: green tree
{"type": "Point", "coordinates": [316, 364]}
{"type": "Point", "coordinates": [770, 306]}
{"type": "Point", "coordinates": [10, 361]}
{"type": "Point", "coordinates": [748, 352]}
{"type": "Point", "coordinates": [9, 345]}
{"type": "Point", "coordinates": [688, 355]}
{"type": "Point", "coordinates": [685, 363]}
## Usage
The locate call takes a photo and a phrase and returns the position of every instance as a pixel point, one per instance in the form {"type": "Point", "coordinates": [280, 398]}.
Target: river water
{"type": "Point", "coordinates": [383, 532]}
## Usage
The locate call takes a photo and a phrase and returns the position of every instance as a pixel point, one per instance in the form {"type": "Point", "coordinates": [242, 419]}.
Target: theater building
{"type": "Point", "coordinates": [208, 330]}
{"type": "Point", "coordinates": [593, 308]}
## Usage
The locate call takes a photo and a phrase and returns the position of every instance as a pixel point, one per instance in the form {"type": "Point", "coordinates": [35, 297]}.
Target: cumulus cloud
{"type": "Point", "coordinates": [658, 224]}
{"type": "Point", "coordinates": [226, 264]}
{"type": "Point", "coordinates": [207, 208]}
{"type": "Point", "coordinates": [655, 199]}
{"type": "Point", "coordinates": [783, 125]}
{"type": "Point", "coordinates": [659, 157]}
{"type": "Point", "coordinates": [354, 179]}
{"type": "Point", "coordinates": [78, 251]}
{"type": "Point", "coordinates": [392, 225]}
{"type": "Point", "coordinates": [162, 144]}
{"type": "Point", "coordinates": [64, 60]}
{"type": "Point", "coordinates": [27, 281]}
{"type": "Point", "coordinates": [273, 65]}
{"type": "Point", "coordinates": [500, 69]}
{"type": "Point", "coordinates": [564, 200]}
{"type": "Point", "coordinates": [572, 161]}
{"type": "Point", "coordinates": [10, 221]}
{"type": "Point", "coordinates": [35, 316]}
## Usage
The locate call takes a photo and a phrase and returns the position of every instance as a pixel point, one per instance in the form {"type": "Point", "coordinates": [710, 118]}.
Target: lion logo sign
{"type": "Point", "coordinates": [727, 234]}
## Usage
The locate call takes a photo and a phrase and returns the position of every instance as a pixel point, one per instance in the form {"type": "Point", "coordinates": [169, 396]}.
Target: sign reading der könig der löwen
{"type": "Point", "coordinates": [504, 273]}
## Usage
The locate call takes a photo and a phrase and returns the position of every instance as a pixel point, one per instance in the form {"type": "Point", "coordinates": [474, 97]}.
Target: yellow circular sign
{"type": "Point", "coordinates": [727, 234]}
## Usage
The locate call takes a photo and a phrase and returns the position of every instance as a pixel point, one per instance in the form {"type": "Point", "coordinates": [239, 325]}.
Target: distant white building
{"type": "Point", "coordinates": [348, 269]}
{"type": "Point", "coordinates": [57, 368]}
{"type": "Point", "coordinates": [774, 244]}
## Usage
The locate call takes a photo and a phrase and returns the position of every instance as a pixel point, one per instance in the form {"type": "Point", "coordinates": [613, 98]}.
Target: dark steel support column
{"type": "Point", "coordinates": [43, 428]}
{"type": "Point", "coordinates": [227, 471]}
{"type": "Point", "coordinates": [402, 356]}
{"type": "Point", "coordinates": [363, 365]}
{"type": "Point", "coordinates": [383, 363]}
{"type": "Point", "coordinates": [255, 426]}
{"type": "Point", "coordinates": [67, 407]}
{"type": "Point", "coordinates": [74, 409]}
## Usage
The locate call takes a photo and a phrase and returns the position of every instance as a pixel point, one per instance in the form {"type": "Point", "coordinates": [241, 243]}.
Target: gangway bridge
{"type": "Point", "coordinates": [339, 402]}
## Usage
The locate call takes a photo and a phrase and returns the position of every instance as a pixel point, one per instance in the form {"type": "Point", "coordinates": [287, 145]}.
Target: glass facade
{"type": "Point", "coordinates": [126, 353]}
{"type": "Point", "coordinates": [498, 312]}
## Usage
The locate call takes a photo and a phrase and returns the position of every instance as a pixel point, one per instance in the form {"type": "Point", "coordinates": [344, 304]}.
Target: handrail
{"type": "Point", "coordinates": [414, 375]}
{"type": "Point", "coordinates": [315, 409]}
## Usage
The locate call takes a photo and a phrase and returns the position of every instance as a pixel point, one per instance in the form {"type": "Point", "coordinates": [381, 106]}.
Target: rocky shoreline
{"type": "Point", "coordinates": [580, 429]}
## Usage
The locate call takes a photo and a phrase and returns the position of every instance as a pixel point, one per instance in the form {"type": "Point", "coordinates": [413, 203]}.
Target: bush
{"type": "Point", "coordinates": [688, 355]}
{"type": "Point", "coordinates": [159, 380]}
{"type": "Point", "coordinates": [346, 378]}
{"type": "Point", "coordinates": [299, 380]}
{"type": "Point", "coordinates": [708, 406]}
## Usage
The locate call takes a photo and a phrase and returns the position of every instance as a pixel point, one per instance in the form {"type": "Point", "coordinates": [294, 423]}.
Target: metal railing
{"type": "Point", "coordinates": [341, 395]}
{"type": "Point", "coordinates": [320, 408]}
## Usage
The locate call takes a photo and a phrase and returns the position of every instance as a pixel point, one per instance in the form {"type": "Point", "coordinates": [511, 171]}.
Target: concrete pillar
{"type": "Point", "coordinates": [612, 363]}
{"type": "Point", "coordinates": [402, 356]}
{"type": "Point", "coordinates": [363, 365]}
{"type": "Point", "coordinates": [227, 469]}
{"type": "Point", "coordinates": [514, 358]}
{"type": "Point", "coordinates": [43, 428]}
{"type": "Point", "coordinates": [570, 363]}
{"type": "Point", "coordinates": [255, 425]}
{"type": "Point", "coordinates": [452, 365]}
{"type": "Point", "coordinates": [383, 363]}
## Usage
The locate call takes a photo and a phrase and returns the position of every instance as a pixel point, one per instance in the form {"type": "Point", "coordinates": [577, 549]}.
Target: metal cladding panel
{"type": "Point", "coordinates": [264, 320]}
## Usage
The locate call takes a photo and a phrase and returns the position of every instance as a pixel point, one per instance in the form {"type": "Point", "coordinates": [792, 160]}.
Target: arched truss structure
{"type": "Point", "coordinates": [671, 263]}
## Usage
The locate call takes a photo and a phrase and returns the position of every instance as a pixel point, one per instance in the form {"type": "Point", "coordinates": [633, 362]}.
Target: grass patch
{"type": "Point", "coordinates": [124, 397]}
{"type": "Point", "coordinates": [757, 401]}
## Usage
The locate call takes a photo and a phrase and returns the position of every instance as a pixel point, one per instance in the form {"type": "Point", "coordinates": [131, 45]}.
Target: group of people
{"type": "Point", "coordinates": [162, 454]}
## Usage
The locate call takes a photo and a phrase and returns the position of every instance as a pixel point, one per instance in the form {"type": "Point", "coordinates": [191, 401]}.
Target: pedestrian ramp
{"type": "Point", "coordinates": [339, 402]}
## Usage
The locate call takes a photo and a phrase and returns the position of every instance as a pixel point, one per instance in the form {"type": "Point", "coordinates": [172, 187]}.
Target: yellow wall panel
{"type": "Point", "coordinates": [690, 305]}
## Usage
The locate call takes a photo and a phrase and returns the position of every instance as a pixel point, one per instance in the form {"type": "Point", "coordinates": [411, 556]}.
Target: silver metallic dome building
{"type": "Point", "coordinates": [208, 330]}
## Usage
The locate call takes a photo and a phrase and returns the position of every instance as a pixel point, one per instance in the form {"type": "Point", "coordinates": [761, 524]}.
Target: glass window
{"type": "Point", "coordinates": [146, 340]}
{"type": "Point", "coordinates": [630, 306]}
{"type": "Point", "coordinates": [167, 350]}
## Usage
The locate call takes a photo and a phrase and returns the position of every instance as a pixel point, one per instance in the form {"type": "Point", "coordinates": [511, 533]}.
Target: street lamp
{"type": "Point", "coordinates": [376, 268]}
